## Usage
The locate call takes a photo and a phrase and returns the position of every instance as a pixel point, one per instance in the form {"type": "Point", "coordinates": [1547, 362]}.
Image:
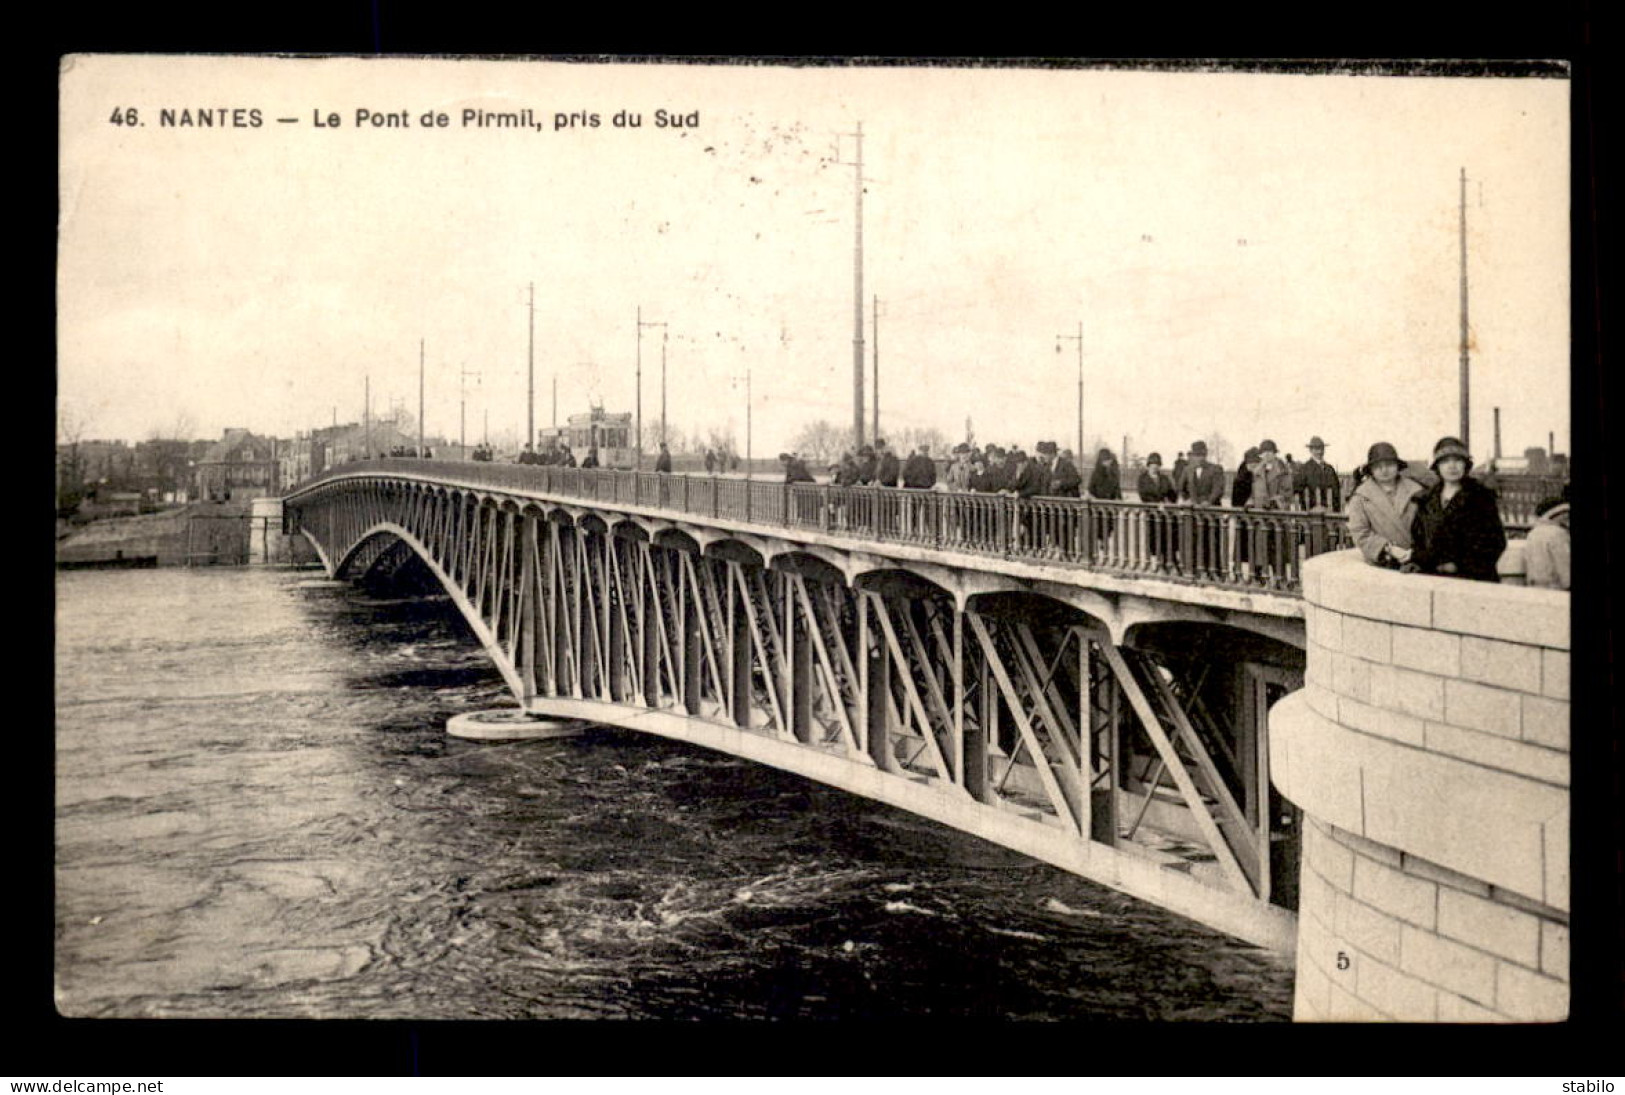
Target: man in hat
{"type": "Point", "coordinates": [1065, 481]}
{"type": "Point", "coordinates": [1457, 528]}
{"type": "Point", "coordinates": [1044, 466]}
{"type": "Point", "coordinates": [919, 474]}
{"type": "Point", "coordinates": [1204, 482]}
{"type": "Point", "coordinates": [1315, 483]}
{"type": "Point", "coordinates": [795, 468]}
{"type": "Point", "coordinates": [888, 467]}
{"type": "Point", "coordinates": [866, 466]}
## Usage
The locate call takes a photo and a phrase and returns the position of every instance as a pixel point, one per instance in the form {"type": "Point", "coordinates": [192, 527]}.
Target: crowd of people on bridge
{"type": "Point", "coordinates": [1451, 528]}
{"type": "Point", "coordinates": [1264, 480]}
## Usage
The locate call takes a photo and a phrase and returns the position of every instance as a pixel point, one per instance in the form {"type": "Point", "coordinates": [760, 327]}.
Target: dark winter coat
{"type": "Point", "coordinates": [887, 472]}
{"type": "Point", "coordinates": [1467, 532]}
{"type": "Point", "coordinates": [1316, 483]}
{"type": "Point", "coordinates": [1106, 482]}
{"type": "Point", "coordinates": [1027, 482]}
{"type": "Point", "coordinates": [1204, 485]}
{"type": "Point", "coordinates": [1064, 479]}
{"type": "Point", "coordinates": [920, 472]}
{"type": "Point", "coordinates": [1156, 488]}
{"type": "Point", "coordinates": [1241, 487]}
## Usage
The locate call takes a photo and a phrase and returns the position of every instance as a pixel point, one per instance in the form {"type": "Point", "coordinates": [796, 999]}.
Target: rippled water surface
{"type": "Point", "coordinates": [259, 814]}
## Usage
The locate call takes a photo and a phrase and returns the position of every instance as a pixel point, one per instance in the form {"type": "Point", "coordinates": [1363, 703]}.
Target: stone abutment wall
{"type": "Point", "coordinates": [1429, 751]}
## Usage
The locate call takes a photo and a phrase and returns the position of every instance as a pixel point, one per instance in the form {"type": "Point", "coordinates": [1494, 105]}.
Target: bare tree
{"type": "Point", "coordinates": [905, 440]}
{"type": "Point", "coordinates": [676, 439]}
{"type": "Point", "coordinates": [820, 443]}
{"type": "Point", "coordinates": [721, 440]}
{"type": "Point", "coordinates": [71, 425]}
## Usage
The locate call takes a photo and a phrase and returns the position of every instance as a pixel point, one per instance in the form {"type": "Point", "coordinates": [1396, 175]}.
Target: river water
{"type": "Point", "coordinates": [258, 814]}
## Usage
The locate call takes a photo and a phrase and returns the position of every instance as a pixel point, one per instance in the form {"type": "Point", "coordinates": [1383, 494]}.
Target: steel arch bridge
{"type": "Point", "coordinates": [1114, 727]}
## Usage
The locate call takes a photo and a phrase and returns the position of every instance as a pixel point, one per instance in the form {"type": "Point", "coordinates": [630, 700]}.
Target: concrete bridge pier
{"type": "Point", "coordinates": [510, 724]}
{"type": "Point", "coordinates": [1429, 752]}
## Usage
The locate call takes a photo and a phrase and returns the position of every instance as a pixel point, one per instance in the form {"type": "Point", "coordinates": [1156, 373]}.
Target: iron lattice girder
{"type": "Point", "coordinates": [573, 610]}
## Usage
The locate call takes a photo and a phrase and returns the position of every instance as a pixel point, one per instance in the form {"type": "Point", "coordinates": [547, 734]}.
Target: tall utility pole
{"type": "Point", "coordinates": [1498, 433]}
{"type": "Point", "coordinates": [530, 372]}
{"type": "Point", "coordinates": [366, 417]}
{"type": "Point", "coordinates": [875, 324]}
{"type": "Point", "coordinates": [1079, 339]}
{"type": "Point", "coordinates": [857, 297]}
{"type": "Point", "coordinates": [639, 440]}
{"type": "Point", "coordinates": [663, 334]}
{"type": "Point", "coordinates": [641, 326]}
{"type": "Point", "coordinates": [420, 398]}
{"type": "Point", "coordinates": [748, 472]}
{"type": "Point", "coordinates": [1466, 417]}
{"type": "Point", "coordinates": [462, 411]}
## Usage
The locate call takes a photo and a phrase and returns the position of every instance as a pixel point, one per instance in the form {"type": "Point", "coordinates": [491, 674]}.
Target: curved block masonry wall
{"type": "Point", "coordinates": [1429, 751]}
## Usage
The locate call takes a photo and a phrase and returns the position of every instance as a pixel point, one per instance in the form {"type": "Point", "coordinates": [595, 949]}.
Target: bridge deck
{"type": "Point", "coordinates": [1258, 551]}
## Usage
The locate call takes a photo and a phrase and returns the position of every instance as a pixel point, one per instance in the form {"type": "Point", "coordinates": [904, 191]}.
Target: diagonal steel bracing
{"type": "Point", "coordinates": [609, 621]}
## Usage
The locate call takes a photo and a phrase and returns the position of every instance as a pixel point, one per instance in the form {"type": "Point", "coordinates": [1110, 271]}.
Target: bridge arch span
{"type": "Point", "coordinates": [1015, 706]}
{"type": "Point", "coordinates": [743, 550]}
{"type": "Point", "coordinates": [676, 538]}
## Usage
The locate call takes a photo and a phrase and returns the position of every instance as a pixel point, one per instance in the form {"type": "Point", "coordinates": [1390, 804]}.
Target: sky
{"type": "Point", "coordinates": [1249, 256]}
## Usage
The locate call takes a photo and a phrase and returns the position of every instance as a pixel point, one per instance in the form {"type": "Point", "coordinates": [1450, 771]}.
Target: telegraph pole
{"type": "Point", "coordinates": [857, 297]}
{"type": "Point", "coordinates": [876, 325]}
{"type": "Point", "coordinates": [420, 399]}
{"type": "Point", "coordinates": [639, 447]}
{"type": "Point", "coordinates": [366, 417]}
{"type": "Point", "coordinates": [641, 326]}
{"type": "Point", "coordinates": [748, 471]}
{"type": "Point", "coordinates": [530, 360]}
{"type": "Point", "coordinates": [663, 334]}
{"type": "Point", "coordinates": [1079, 339]}
{"type": "Point", "coordinates": [1466, 417]}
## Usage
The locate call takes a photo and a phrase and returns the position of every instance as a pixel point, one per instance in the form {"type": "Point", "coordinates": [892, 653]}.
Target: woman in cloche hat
{"type": "Point", "coordinates": [1457, 528]}
{"type": "Point", "coordinates": [1382, 507]}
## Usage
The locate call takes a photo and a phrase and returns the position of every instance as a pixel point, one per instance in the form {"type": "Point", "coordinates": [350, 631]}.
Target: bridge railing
{"type": "Point", "coordinates": [1210, 545]}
